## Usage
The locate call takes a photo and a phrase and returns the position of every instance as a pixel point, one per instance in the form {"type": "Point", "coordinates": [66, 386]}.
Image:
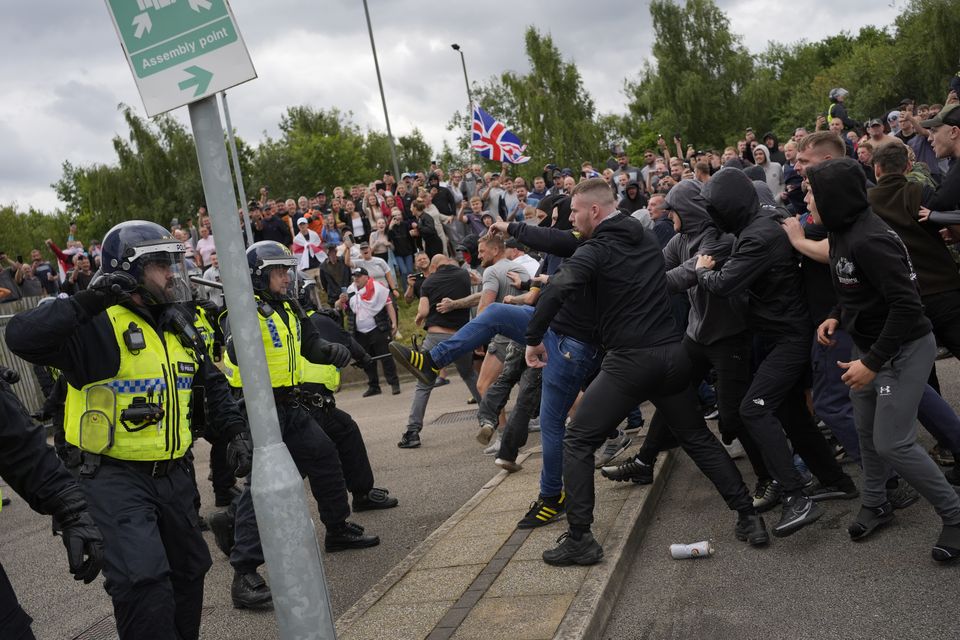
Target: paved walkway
{"type": "Point", "coordinates": [478, 577]}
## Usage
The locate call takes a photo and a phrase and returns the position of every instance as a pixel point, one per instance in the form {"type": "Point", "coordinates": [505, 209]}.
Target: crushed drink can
{"type": "Point", "coordinates": [693, 550]}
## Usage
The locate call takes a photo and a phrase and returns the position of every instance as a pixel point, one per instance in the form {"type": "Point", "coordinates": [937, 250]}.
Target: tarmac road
{"type": "Point", "coordinates": [816, 584]}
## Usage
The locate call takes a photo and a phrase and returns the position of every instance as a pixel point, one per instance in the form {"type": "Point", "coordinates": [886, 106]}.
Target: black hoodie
{"type": "Point", "coordinates": [879, 303]}
{"type": "Point", "coordinates": [622, 266]}
{"type": "Point", "coordinates": [763, 261]}
{"type": "Point", "coordinates": [630, 204]}
{"type": "Point", "coordinates": [711, 317]}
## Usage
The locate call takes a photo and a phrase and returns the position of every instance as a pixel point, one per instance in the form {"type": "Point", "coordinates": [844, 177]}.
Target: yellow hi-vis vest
{"type": "Point", "coordinates": [282, 346]}
{"type": "Point", "coordinates": [204, 326]}
{"type": "Point", "coordinates": [325, 374]}
{"type": "Point", "coordinates": [160, 373]}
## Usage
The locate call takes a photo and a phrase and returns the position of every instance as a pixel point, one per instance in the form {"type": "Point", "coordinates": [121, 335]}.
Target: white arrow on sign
{"type": "Point", "coordinates": [143, 24]}
{"type": "Point", "coordinates": [196, 5]}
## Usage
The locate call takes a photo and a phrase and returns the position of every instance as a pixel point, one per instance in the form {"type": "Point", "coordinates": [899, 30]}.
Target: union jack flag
{"type": "Point", "coordinates": [493, 141]}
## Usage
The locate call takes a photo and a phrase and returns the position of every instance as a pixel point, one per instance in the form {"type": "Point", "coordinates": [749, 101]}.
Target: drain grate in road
{"type": "Point", "coordinates": [106, 629]}
{"type": "Point", "coordinates": [455, 416]}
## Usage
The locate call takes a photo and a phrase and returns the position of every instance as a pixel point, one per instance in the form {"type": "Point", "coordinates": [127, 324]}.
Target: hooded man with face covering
{"type": "Point", "coordinates": [764, 265]}
{"type": "Point", "coordinates": [633, 198]}
{"type": "Point", "coordinates": [716, 335]}
{"type": "Point", "coordinates": [894, 349]}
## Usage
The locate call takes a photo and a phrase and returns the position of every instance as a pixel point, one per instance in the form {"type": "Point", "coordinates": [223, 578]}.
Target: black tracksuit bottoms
{"type": "Point", "coordinates": [774, 409]}
{"type": "Point", "coordinates": [628, 377]}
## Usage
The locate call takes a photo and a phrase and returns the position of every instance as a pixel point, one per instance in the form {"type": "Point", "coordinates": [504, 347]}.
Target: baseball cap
{"type": "Point", "coordinates": [302, 221]}
{"type": "Point", "coordinates": [893, 116]}
{"type": "Point", "coordinates": [513, 243]}
{"type": "Point", "coordinates": [320, 193]}
{"type": "Point", "coordinates": [949, 115]}
{"type": "Point", "coordinates": [330, 246]}
{"type": "Point", "coordinates": [566, 171]}
{"type": "Point", "coordinates": [875, 121]}
{"type": "Point", "coordinates": [359, 271]}
{"type": "Point", "coordinates": [364, 245]}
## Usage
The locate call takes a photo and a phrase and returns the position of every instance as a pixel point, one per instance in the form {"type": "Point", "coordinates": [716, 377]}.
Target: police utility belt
{"type": "Point", "coordinates": [90, 462]}
{"type": "Point", "coordinates": [298, 396]}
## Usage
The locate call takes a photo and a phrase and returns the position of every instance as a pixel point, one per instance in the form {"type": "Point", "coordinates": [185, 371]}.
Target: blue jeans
{"type": "Point", "coordinates": [569, 364]}
{"type": "Point", "coordinates": [831, 395]}
{"type": "Point", "coordinates": [404, 266]}
{"type": "Point", "coordinates": [505, 319]}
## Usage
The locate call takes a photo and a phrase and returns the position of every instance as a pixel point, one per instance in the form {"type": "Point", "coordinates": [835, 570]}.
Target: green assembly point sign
{"type": "Point", "coordinates": [180, 50]}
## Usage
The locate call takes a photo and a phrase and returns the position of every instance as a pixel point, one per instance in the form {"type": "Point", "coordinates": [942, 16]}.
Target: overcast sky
{"type": "Point", "coordinates": [64, 71]}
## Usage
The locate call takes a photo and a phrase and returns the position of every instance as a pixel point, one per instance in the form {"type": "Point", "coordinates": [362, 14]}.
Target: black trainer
{"type": "Point", "coordinates": [374, 499]}
{"type": "Point", "coordinates": [845, 489]}
{"type": "Point", "coordinates": [419, 363]}
{"type": "Point", "coordinates": [633, 470]}
{"type": "Point", "coordinates": [902, 495]}
{"type": "Point", "coordinates": [249, 591]}
{"type": "Point", "coordinates": [371, 391]}
{"type": "Point", "coordinates": [409, 440]}
{"type": "Point", "coordinates": [543, 511]}
{"type": "Point", "coordinates": [585, 551]}
{"type": "Point", "coordinates": [752, 529]}
{"type": "Point", "coordinates": [798, 512]}
{"type": "Point", "coordinates": [222, 525]}
{"type": "Point", "coordinates": [766, 496]}
{"type": "Point", "coordinates": [948, 544]}
{"type": "Point", "coordinates": [348, 536]}
{"type": "Point", "coordinates": [869, 520]}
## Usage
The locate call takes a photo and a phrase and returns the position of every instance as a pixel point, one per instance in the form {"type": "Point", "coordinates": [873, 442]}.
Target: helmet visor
{"type": "Point", "coordinates": [164, 278]}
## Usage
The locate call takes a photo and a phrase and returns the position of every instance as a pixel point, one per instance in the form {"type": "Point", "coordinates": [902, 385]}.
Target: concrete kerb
{"type": "Point", "coordinates": [589, 612]}
{"type": "Point", "coordinates": [380, 589]}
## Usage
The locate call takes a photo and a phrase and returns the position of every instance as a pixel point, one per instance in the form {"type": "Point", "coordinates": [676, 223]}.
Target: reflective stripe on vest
{"type": "Point", "coordinates": [282, 346]}
{"type": "Point", "coordinates": [161, 373]}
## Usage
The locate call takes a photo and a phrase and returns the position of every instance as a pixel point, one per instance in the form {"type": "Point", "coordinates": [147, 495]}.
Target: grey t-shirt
{"type": "Point", "coordinates": [495, 279]}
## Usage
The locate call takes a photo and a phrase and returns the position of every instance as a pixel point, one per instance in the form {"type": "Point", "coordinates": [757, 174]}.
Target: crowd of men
{"type": "Point", "coordinates": [796, 294]}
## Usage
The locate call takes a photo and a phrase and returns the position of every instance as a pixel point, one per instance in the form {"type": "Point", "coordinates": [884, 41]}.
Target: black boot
{"type": "Point", "coordinates": [373, 499]}
{"type": "Point", "coordinates": [249, 591]}
{"type": "Point", "coordinates": [224, 498]}
{"type": "Point", "coordinates": [222, 525]}
{"type": "Point", "coordinates": [348, 536]}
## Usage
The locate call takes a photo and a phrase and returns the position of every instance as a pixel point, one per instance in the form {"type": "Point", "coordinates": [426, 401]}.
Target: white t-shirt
{"type": "Point", "coordinates": [377, 268]}
{"type": "Point", "coordinates": [529, 264]}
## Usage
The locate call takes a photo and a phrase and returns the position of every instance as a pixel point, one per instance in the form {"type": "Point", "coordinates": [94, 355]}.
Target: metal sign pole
{"type": "Point", "coordinates": [383, 99]}
{"type": "Point", "coordinates": [300, 597]}
{"type": "Point", "coordinates": [236, 170]}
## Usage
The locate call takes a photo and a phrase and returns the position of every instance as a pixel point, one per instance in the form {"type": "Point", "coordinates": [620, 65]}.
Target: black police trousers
{"type": "Point", "coordinates": [14, 621]}
{"type": "Point", "coordinates": [155, 557]}
{"type": "Point", "coordinates": [628, 377]}
{"type": "Point", "coordinates": [316, 457]}
{"type": "Point", "coordinates": [345, 434]}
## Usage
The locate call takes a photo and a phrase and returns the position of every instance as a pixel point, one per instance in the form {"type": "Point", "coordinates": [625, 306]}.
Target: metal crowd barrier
{"type": "Point", "coordinates": [28, 389]}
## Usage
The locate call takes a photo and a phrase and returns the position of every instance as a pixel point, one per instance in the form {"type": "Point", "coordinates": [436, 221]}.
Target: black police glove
{"type": "Point", "coordinates": [81, 537]}
{"type": "Point", "coordinates": [106, 290]}
{"type": "Point", "coordinates": [240, 454]}
{"type": "Point", "coordinates": [335, 354]}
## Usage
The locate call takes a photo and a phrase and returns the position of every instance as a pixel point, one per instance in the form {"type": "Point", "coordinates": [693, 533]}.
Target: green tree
{"type": "Point", "coordinates": [701, 69]}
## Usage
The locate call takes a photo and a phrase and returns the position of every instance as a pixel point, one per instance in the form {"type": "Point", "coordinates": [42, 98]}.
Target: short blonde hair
{"type": "Point", "coordinates": [596, 189]}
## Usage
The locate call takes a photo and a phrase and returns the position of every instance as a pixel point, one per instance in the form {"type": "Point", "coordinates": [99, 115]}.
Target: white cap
{"type": "Point", "coordinates": [302, 221]}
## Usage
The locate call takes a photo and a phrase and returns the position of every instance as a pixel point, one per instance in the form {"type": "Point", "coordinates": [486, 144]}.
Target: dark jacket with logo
{"type": "Point", "coordinates": [763, 262]}
{"type": "Point", "coordinates": [879, 303]}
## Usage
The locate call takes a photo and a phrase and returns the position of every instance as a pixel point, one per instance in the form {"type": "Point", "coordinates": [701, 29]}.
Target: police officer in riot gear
{"type": "Point", "coordinates": [322, 381]}
{"type": "Point", "coordinates": [288, 341]}
{"type": "Point", "coordinates": [132, 362]}
{"type": "Point", "coordinates": [33, 470]}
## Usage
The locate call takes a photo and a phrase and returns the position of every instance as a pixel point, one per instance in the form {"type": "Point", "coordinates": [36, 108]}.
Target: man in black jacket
{"type": "Point", "coordinates": [33, 470]}
{"type": "Point", "coordinates": [894, 349]}
{"type": "Point", "coordinates": [622, 267]}
{"type": "Point", "coordinates": [764, 264]}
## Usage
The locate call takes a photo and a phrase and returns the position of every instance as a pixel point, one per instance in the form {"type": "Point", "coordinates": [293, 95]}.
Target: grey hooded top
{"type": "Point", "coordinates": [711, 317]}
